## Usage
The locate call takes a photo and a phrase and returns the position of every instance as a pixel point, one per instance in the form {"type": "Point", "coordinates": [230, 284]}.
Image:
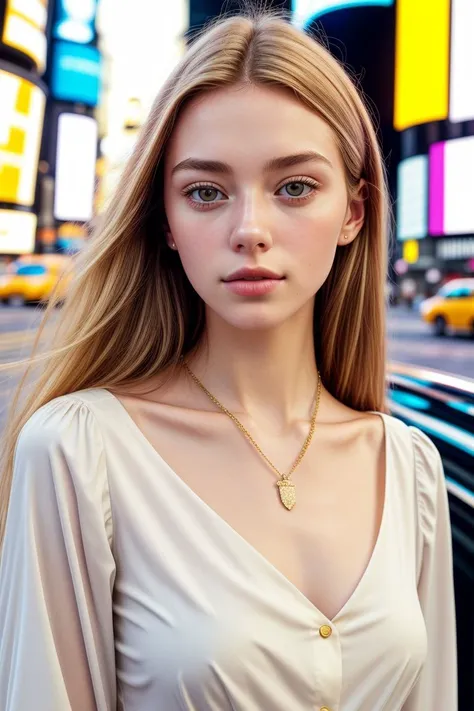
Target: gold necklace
{"type": "Point", "coordinates": [285, 485]}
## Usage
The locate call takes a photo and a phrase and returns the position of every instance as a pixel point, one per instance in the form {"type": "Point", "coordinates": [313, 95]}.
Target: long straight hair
{"type": "Point", "coordinates": [131, 312]}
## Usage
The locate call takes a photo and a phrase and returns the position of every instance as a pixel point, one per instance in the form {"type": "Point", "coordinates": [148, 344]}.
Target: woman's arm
{"type": "Point", "coordinates": [57, 570]}
{"type": "Point", "coordinates": [436, 689]}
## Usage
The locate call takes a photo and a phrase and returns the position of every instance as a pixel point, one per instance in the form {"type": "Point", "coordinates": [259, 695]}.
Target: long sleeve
{"type": "Point", "coordinates": [436, 688]}
{"type": "Point", "coordinates": [57, 569]}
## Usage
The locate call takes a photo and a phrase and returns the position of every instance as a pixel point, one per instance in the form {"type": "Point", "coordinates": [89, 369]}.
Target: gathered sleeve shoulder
{"type": "Point", "coordinates": [57, 569]}
{"type": "Point", "coordinates": [436, 688]}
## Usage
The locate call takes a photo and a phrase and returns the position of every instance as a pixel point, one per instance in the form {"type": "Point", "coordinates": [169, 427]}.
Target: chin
{"type": "Point", "coordinates": [252, 317]}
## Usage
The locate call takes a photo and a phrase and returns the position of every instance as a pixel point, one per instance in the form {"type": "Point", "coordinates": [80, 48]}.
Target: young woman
{"type": "Point", "coordinates": [209, 506]}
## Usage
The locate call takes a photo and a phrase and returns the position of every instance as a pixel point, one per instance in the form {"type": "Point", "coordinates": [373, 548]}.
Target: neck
{"type": "Point", "coordinates": [268, 373]}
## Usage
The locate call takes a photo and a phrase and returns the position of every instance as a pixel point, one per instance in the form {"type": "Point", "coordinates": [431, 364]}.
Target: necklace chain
{"type": "Point", "coordinates": [284, 482]}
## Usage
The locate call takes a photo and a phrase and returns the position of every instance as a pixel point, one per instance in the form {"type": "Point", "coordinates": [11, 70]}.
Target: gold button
{"type": "Point", "coordinates": [324, 708]}
{"type": "Point", "coordinates": [325, 631]}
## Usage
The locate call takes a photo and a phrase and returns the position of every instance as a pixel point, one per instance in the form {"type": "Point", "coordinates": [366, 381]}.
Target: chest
{"type": "Point", "coordinates": [221, 593]}
{"type": "Point", "coordinates": [323, 545]}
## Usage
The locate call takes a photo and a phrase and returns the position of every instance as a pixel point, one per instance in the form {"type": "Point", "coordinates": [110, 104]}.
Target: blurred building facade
{"type": "Point", "coordinates": [77, 78]}
{"type": "Point", "coordinates": [23, 51]}
{"type": "Point", "coordinates": [50, 86]}
{"type": "Point", "coordinates": [67, 179]}
{"type": "Point", "coordinates": [434, 113]}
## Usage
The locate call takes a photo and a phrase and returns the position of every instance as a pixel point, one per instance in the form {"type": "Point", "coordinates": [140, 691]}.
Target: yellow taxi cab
{"type": "Point", "coordinates": [33, 278]}
{"type": "Point", "coordinates": [451, 310]}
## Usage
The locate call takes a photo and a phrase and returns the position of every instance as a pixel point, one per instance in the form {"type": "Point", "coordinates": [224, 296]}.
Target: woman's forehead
{"type": "Point", "coordinates": [265, 122]}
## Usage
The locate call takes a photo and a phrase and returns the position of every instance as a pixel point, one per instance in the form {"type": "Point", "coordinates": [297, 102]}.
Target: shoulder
{"type": "Point", "coordinates": [425, 468]}
{"type": "Point", "coordinates": [430, 481]}
{"type": "Point", "coordinates": [59, 459]}
{"type": "Point", "coordinates": [64, 420]}
{"type": "Point", "coordinates": [418, 450]}
{"type": "Point", "coordinates": [67, 428]}
{"type": "Point", "coordinates": [426, 454]}
{"type": "Point", "coordinates": [414, 444]}
{"type": "Point", "coordinates": [418, 466]}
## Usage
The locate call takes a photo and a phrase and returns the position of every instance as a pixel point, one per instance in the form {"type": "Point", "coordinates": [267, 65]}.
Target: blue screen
{"type": "Point", "coordinates": [75, 20]}
{"type": "Point", "coordinates": [306, 11]}
{"type": "Point", "coordinates": [76, 73]}
{"type": "Point", "coordinates": [31, 270]}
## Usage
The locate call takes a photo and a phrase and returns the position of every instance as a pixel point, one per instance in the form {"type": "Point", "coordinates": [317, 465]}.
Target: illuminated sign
{"type": "Point", "coordinates": [412, 202]}
{"type": "Point", "coordinates": [451, 201]}
{"type": "Point", "coordinates": [75, 74]}
{"type": "Point", "coordinates": [17, 232]}
{"type": "Point", "coordinates": [76, 20]}
{"type": "Point", "coordinates": [24, 29]}
{"type": "Point", "coordinates": [461, 99]}
{"type": "Point", "coordinates": [411, 251]}
{"type": "Point", "coordinates": [21, 125]}
{"type": "Point", "coordinates": [306, 11]}
{"type": "Point", "coordinates": [75, 167]}
{"type": "Point", "coordinates": [421, 62]}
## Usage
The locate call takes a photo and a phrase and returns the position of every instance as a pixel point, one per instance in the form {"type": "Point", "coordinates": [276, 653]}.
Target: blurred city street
{"type": "Point", "coordinates": [411, 341]}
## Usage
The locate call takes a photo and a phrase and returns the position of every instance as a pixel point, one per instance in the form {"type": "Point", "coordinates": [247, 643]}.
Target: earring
{"type": "Point", "coordinates": [346, 237]}
{"type": "Point", "coordinates": [173, 245]}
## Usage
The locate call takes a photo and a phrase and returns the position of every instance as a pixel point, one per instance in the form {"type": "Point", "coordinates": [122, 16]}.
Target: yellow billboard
{"type": "Point", "coordinates": [421, 62]}
{"type": "Point", "coordinates": [21, 125]}
{"type": "Point", "coordinates": [24, 29]}
{"type": "Point", "coordinates": [411, 251]}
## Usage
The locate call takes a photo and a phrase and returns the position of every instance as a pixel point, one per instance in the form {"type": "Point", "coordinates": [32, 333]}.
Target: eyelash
{"type": "Point", "coordinates": [187, 192]}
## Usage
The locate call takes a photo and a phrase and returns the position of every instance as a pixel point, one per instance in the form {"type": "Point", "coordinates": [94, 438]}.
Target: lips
{"type": "Point", "coordinates": [253, 287]}
{"type": "Point", "coordinates": [253, 274]}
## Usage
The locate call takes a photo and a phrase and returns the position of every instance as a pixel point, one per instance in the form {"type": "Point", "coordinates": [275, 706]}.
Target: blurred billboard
{"type": "Point", "coordinates": [21, 126]}
{"type": "Point", "coordinates": [434, 62]}
{"type": "Point", "coordinates": [76, 73]}
{"type": "Point", "coordinates": [75, 21]}
{"type": "Point", "coordinates": [76, 154]}
{"type": "Point", "coordinates": [412, 203]}
{"type": "Point", "coordinates": [24, 27]}
{"type": "Point", "coordinates": [452, 187]}
{"type": "Point", "coordinates": [306, 11]}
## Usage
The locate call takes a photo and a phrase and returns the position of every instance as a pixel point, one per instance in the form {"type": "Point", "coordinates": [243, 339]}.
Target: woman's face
{"type": "Point", "coordinates": [253, 178]}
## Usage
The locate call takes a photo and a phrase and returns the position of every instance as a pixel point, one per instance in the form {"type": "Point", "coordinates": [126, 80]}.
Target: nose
{"type": "Point", "coordinates": [251, 233]}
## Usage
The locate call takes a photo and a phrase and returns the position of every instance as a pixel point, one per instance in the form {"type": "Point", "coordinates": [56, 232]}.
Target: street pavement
{"type": "Point", "coordinates": [409, 341]}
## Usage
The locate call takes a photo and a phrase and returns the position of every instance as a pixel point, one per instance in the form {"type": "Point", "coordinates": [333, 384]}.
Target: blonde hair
{"type": "Point", "coordinates": [131, 312]}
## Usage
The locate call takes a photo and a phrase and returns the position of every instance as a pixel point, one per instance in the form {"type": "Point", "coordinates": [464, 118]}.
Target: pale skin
{"type": "Point", "coordinates": [259, 361]}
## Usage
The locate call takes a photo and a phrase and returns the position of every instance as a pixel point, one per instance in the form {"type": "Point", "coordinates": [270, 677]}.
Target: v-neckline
{"type": "Point", "coordinates": [249, 546]}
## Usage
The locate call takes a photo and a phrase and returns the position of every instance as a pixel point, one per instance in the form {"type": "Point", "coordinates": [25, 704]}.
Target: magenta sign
{"type": "Point", "coordinates": [436, 192]}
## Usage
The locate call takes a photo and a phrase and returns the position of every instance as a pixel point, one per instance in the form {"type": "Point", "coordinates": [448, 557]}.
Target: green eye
{"type": "Point", "coordinates": [207, 194]}
{"type": "Point", "coordinates": [203, 194]}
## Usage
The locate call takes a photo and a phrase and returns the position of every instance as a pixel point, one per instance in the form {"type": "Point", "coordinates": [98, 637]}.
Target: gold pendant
{"type": "Point", "coordinates": [287, 493]}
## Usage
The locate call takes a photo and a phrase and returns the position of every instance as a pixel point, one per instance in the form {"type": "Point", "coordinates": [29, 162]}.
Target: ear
{"type": "Point", "coordinates": [355, 216]}
{"type": "Point", "coordinates": [169, 237]}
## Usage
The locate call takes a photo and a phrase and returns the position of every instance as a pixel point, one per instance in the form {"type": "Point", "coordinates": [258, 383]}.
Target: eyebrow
{"type": "Point", "coordinates": [215, 166]}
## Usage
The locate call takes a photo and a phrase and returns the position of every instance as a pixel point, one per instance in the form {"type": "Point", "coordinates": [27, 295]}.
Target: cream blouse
{"type": "Point", "coordinates": [120, 589]}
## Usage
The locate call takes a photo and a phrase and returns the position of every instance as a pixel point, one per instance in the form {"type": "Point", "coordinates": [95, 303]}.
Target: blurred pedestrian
{"type": "Point", "coordinates": [210, 507]}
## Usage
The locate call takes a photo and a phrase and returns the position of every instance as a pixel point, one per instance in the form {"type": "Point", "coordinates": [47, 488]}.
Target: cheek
{"type": "Point", "coordinates": [317, 259]}
{"type": "Point", "coordinates": [313, 240]}
{"type": "Point", "coordinates": [189, 232]}
{"type": "Point", "coordinates": [197, 243]}
{"type": "Point", "coordinates": [315, 233]}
